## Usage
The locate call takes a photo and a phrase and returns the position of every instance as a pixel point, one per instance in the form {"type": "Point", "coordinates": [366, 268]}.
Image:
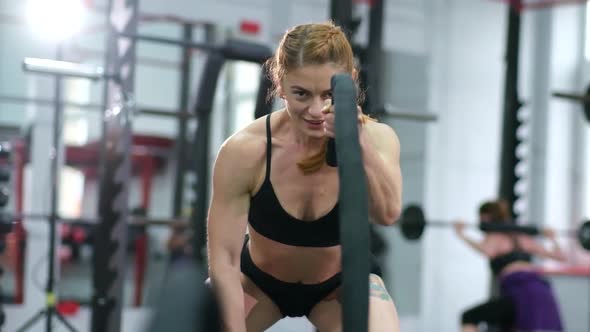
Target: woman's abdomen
{"type": "Point", "coordinates": [308, 265]}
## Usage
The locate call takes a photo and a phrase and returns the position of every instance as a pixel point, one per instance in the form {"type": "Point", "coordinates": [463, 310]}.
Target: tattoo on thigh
{"type": "Point", "coordinates": [378, 291]}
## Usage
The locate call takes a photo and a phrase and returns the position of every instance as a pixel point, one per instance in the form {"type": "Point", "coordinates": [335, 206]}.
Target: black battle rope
{"type": "Point", "coordinates": [353, 207]}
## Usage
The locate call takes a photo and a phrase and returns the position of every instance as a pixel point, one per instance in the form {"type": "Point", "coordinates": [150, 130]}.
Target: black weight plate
{"type": "Point", "coordinates": [412, 222]}
{"type": "Point", "coordinates": [584, 235]}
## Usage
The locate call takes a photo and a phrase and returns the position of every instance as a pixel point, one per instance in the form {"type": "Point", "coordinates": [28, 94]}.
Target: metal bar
{"type": "Point", "coordinates": [53, 181]}
{"type": "Point", "coordinates": [48, 102]}
{"type": "Point", "coordinates": [41, 217]}
{"type": "Point", "coordinates": [63, 68]}
{"type": "Point", "coordinates": [147, 17]}
{"type": "Point", "coordinates": [160, 222]}
{"type": "Point", "coordinates": [152, 62]}
{"type": "Point", "coordinates": [139, 221]}
{"type": "Point", "coordinates": [170, 41]}
{"type": "Point", "coordinates": [181, 115]}
{"type": "Point", "coordinates": [536, 4]}
{"type": "Point", "coordinates": [398, 113]}
{"type": "Point", "coordinates": [92, 107]}
{"type": "Point", "coordinates": [110, 240]}
{"type": "Point", "coordinates": [444, 224]}
{"type": "Point", "coordinates": [203, 108]}
{"type": "Point", "coordinates": [510, 121]}
{"type": "Point", "coordinates": [341, 14]}
{"type": "Point", "coordinates": [181, 139]}
{"type": "Point", "coordinates": [572, 96]}
{"type": "Point", "coordinates": [584, 100]}
{"type": "Point", "coordinates": [374, 59]}
{"type": "Point", "coordinates": [551, 3]}
{"type": "Point", "coordinates": [20, 235]}
{"type": "Point", "coordinates": [525, 226]}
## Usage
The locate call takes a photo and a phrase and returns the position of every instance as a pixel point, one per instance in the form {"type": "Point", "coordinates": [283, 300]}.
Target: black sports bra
{"type": "Point", "coordinates": [268, 218]}
{"type": "Point", "coordinates": [498, 263]}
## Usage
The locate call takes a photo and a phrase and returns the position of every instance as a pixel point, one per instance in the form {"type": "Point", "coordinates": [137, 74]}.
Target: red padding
{"type": "Point", "coordinates": [250, 27]}
{"type": "Point", "coordinates": [68, 308]}
{"type": "Point", "coordinates": [572, 271]}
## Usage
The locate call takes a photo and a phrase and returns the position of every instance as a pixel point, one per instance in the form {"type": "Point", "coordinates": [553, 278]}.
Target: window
{"type": "Point", "coordinates": [245, 90]}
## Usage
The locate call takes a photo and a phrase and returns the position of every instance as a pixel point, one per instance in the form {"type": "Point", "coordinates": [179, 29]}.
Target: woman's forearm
{"type": "Point", "coordinates": [383, 185]}
{"type": "Point", "coordinates": [556, 251]}
{"type": "Point", "coordinates": [230, 296]}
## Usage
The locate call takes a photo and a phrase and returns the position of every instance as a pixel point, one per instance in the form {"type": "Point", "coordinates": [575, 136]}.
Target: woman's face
{"type": "Point", "coordinates": [306, 92]}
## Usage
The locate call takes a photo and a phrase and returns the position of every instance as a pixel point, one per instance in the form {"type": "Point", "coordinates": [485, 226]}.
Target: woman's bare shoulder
{"type": "Point", "coordinates": [243, 153]}
{"type": "Point", "coordinates": [245, 144]}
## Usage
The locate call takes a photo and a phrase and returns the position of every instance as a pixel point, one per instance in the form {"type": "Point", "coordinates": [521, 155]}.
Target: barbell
{"type": "Point", "coordinates": [583, 99]}
{"type": "Point", "coordinates": [413, 222]}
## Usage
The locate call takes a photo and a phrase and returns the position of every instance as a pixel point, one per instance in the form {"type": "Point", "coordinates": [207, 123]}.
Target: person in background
{"type": "Point", "coordinates": [526, 301]}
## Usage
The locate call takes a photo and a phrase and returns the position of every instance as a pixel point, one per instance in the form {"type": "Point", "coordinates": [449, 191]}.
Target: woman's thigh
{"type": "Point", "coordinates": [327, 315]}
{"type": "Point", "coordinates": [261, 312]}
{"type": "Point", "coordinates": [496, 312]}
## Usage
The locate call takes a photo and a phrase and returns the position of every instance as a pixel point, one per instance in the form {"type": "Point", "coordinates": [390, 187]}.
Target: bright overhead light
{"type": "Point", "coordinates": [55, 20]}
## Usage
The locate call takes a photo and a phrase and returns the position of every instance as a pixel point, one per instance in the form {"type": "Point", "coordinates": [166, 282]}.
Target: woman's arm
{"type": "Point", "coordinates": [553, 252]}
{"type": "Point", "coordinates": [226, 227]}
{"type": "Point", "coordinates": [482, 247]}
{"type": "Point", "coordinates": [380, 151]}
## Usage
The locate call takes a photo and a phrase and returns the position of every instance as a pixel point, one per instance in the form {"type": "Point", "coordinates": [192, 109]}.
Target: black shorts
{"type": "Point", "coordinates": [498, 312]}
{"type": "Point", "coordinates": [292, 299]}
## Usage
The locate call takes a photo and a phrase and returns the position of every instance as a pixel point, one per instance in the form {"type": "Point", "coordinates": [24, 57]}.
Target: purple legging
{"type": "Point", "coordinates": [534, 304]}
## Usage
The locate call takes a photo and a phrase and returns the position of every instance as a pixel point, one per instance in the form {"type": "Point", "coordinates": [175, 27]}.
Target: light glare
{"type": "Point", "coordinates": [55, 20]}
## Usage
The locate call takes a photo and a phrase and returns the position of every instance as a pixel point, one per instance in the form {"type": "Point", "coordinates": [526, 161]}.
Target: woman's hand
{"type": "Point", "coordinates": [459, 227]}
{"type": "Point", "coordinates": [328, 112]}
